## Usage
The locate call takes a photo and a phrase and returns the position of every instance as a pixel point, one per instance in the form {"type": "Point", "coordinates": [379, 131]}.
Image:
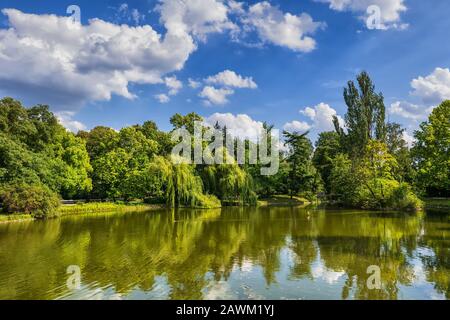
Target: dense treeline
{"type": "Point", "coordinates": [365, 164]}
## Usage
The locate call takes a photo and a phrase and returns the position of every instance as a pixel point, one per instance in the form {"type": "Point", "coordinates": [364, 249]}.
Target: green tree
{"type": "Point", "coordinates": [431, 152]}
{"type": "Point", "coordinates": [327, 148]}
{"type": "Point", "coordinates": [187, 121]}
{"type": "Point", "coordinates": [365, 117]}
{"type": "Point", "coordinates": [100, 141]}
{"type": "Point", "coordinates": [37, 200]}
{"type": "Point", "coordinates": [398, 147]}
{"type": "Point", "coordinates": [302, 176]}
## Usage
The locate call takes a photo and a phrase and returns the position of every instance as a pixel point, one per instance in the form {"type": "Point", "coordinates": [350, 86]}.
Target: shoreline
{"type": "Point", "coordinates": [111, 207]}
{"type": "Point", "coordinates": [85, 208]}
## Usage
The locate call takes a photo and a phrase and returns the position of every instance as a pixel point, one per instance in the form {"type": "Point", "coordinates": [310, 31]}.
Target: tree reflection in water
{"type": "Point", "coordinates": [230, 253]}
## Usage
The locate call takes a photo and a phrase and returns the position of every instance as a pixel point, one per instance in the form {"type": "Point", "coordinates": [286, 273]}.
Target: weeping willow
{"type": "Point", "coordinates": [229, 182]}
{"type": "Point", "coordinates": [180, 184]}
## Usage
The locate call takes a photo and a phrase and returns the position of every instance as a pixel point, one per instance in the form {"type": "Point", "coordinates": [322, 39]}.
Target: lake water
{"type": "Point", "coordinates": [233, 253]}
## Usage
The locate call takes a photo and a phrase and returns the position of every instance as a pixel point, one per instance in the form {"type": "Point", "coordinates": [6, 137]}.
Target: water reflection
{"type": "Point", "coordinates": [239, 253]}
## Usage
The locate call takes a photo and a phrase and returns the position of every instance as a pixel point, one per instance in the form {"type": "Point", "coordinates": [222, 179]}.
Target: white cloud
{"type": "Point", "coordinates": [390, 10]}
{"type": "Point", "coordinates": [194, 84]}
{"type": "Point", "coordinates": [431, 90]}
{"type": "Point", "coordinates": [282, 29]}
{"type": "Point", "coordinates": [173, 84]}
{"type": "Point", "coordinates": [322, 117]}
{"type": "Point", "coordinates": [235, 7]}
{"type": "Point", "coordinates": [434, 88]}
{"type": "Point", "coordinates": [162, 98]}
{"type": "Point", "coordinates": [214, 95]}
{"type": "Point", "coordinates": [241, 125]}
{"type": "Point", "coordinates": [196, 17]}
{"type": "Point", "coordinates": [409, 110]}
{"type": "Point", "coordinates": [65, 118]}
{"type": "Point", "coordinates": [133, 15]}
{"type": "Point", "coordinates": [296, 126]}
{"type": "Point", "coordinates": [229, 78]}
{"type": "Point", "coordinates": [52, 59]}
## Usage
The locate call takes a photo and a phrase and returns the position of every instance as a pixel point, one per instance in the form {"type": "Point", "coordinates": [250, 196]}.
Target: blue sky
{"type": "Point", "coordinates": [285, 62]}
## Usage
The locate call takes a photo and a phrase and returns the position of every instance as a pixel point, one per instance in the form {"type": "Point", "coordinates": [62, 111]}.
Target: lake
{"type": "Point", "coordinates": [230, 253]}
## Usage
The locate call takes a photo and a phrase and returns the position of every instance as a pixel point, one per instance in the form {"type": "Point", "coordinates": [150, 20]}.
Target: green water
{"type": "Point", "coordinates": [233, 253]}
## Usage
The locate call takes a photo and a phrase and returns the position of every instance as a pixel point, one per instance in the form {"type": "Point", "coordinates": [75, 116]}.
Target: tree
{"type": "Point", "coordinates": [110, 171]}
{"type": "Point", "coordinates": [100, 141]}
{"type": "Point", "coordinates": [302, 174]}
{"type": "Point", "coordinates": [431, 152]}
{"type": "Point", "coordinates": [327, 148]}
{"type": "Point", "coordinates": [180, 185]}
{"type": "Point", "coordinates": [365, 117]}
{"type": "Point", "coordinates": [343, 181]}
{"type": "Point", "coordinates": [37, 200]}
{"type": "Point", "coordinates": [187, 121]}
{"type": "Point", "coordinates": [398, 147]}
{"type": "Point", "coordinates": [37, 149]}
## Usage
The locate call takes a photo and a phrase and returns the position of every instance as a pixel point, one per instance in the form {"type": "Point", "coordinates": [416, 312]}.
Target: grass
{"type": "Point", "coordinates": [83, 208]}
{"type": "Point", "coordinates": [14, 217]}
{"type": "Point", "coordinates": [103, 207]}
{"type": "Point", "coordinates": [283, 200]}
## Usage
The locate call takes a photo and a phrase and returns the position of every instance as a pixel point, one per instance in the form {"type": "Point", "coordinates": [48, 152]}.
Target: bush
{"type": "Point", "coordinates": [403, 198]}
{"type": "Point", "coordinates": [375, 194]}
{"type": "Point", "coordinates": [36, 200]}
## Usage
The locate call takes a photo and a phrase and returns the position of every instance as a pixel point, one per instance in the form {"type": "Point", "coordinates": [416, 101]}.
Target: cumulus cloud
{"type": "Point", "coordinates": [296, 126]}
{"type": "Point", "coordinates": [131, 15]}
{"type": "Point", "coordinates": [173, 84]}
{"type": "Point", "coordinates": [390, 10]}
{"type": "Point", "coordinates": [434, 88]}
{"type": "Point", "coordinates": [230, 78]}
{"type": "Point", "coordinates": [194, 84]}
{"type": "Point", "coordinates": [162, 98]}
{"type": "Point", "coordinates": [431, 90]}
{"type": "Point", "coordinates": [409, 110]}
{"type": "Point", "coordinates": [282, 29]}
{"type": "Point", "coordinates": [51, 59]}
{"type": "Point", "coordinates": [322, 117]}
{"type": "Point", "coordinates": [196, 17]}
{"type": "Point", "coordinates": [241, 125]}
{"type": "Point", "coordinates": [55, 60]}
{"type": "Point", "coordinates": [214, 95]}
{"type": "Point", "coordinates": [224, 82]}
{"type": "Point", "coordinates": [66, 119]}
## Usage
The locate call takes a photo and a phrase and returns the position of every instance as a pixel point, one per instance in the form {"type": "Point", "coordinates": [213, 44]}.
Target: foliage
{"type": "Point", "coordinates": [327, 148]}
{"type": "Point", "coordinates": [302, 176]}
{"type": "Point", "coordinates": [180, 185]}
{"type": "Point", "coordinates": [37, 200]}
{"type": "Point", "coordinates": [431, 152]}
{"type": "Point", "coordinates": [35, 148]}
{"type": "Point", "coordinates": [398, 147]}
{"type": "Point", "coordinates": [365, 116]}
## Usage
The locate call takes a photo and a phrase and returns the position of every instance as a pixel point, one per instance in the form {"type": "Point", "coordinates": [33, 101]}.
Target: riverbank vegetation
{"type": "Point", "coordinates": [364, 163]}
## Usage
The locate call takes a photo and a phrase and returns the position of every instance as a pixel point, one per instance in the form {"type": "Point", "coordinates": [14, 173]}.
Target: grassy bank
{"type": "Point", "coordinates": [283, 200]}
{"type": "Point", "coordinates": [437, 203]}
{"type": "Point", "coordinates": [83, 208]}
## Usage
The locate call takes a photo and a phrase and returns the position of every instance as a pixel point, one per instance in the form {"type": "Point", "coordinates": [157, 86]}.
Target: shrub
{"type": "Point", "coordinates": [375, 194]}
{"type": "Point", "coordinates": [403, 198]}
{"type": "Point", "coordinates": [36, 200]}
